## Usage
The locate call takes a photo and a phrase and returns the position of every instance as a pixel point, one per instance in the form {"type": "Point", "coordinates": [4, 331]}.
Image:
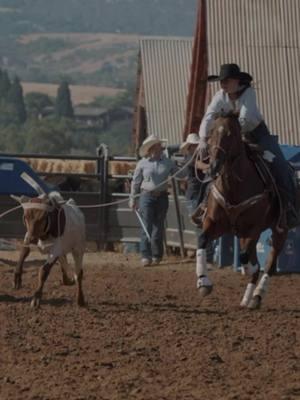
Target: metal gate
{"type": "Point", "coordinates": [115, 223]}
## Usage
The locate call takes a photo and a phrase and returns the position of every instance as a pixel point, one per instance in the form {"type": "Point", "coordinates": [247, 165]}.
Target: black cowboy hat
{"type": "Point", "coordinates": [230, 71]}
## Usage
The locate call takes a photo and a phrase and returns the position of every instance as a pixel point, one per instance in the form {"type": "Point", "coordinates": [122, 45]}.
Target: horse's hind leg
{"type": "Point", "coordinates": [78, 258]}
{"type": "Point", "coordinates": [64, 267]}
{"type": "Point", "coordinates": [250, 267]}
{"type": "Point", "coordinates": [278, 239]}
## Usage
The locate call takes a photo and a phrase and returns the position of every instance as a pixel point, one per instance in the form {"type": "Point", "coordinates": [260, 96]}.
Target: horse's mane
{"type": "Point", "coordinates": [229, 114]}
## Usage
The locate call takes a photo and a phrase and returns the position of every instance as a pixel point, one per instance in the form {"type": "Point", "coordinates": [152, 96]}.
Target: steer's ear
{"type": "Point", "coordinates": [20, 199]}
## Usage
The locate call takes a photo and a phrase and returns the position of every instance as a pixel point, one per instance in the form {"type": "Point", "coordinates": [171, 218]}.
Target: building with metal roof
{"type": "Point", "coordinates": [162, 87]}
{"type": "Point", "coordinates": [263, 38]}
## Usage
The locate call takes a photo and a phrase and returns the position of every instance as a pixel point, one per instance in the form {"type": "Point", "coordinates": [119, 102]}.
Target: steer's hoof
{"type": "Point", "coordinates": [205, 290]}
{"type": "Point", "coordinates": [255, 303]}
{"type": "Point", "coordinates": [35, 302]}
{"type": "Point", "coordinates": [17, 281]}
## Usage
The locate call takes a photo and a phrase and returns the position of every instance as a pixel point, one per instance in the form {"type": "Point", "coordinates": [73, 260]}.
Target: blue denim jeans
{"type": "Point", "coordinates": [153, 211]}
{"type": "Point", "coordinates": [279, 167]}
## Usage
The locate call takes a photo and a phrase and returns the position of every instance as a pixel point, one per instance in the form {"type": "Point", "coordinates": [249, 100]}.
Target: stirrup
{"type": "Point", "coordinates": [198, 215]}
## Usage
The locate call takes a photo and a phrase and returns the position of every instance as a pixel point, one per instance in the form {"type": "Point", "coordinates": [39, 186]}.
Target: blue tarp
{"type": "Point", "coordinates": [11, 181]}
{"type": "Point", "coordinates": [291, 153]}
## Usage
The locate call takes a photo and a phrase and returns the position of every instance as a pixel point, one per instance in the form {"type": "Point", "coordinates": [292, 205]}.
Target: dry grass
{"type": "Point", "coordinates": [80, 93]}
{"type": "Point", "coordinates": [103, 38]}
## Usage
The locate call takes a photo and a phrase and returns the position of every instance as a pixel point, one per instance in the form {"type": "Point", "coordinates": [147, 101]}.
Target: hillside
{"type": "Point", "coordinates": [82, 58]}
{"type": "Point", "coordinates": [94, 42]}
{"type": "Point", "coordinates": [146, 17]}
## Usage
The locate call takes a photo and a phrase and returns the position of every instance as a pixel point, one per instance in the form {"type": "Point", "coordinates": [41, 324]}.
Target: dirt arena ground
{"type": "Point", "coordinates": [144, 335]}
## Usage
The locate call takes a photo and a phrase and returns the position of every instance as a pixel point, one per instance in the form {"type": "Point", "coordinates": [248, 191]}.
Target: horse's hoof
{"type": "Point", "coordinates": [255, 303]}
{"type": "Point", "coordinates": [68, 281]}
{"type": "Point", "coordinates": [205, 290]}
{"type": "Point", "coordinates": [80, 302]}
{"type": "Point", "coordinates": [17, 282]}
{"type": "Point", "coordinates": [35, 303]}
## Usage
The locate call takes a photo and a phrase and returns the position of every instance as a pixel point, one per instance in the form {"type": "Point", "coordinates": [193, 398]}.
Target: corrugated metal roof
{"type": "Point", "coordinates": [166, 72]}
{"type": "Point", "coordinates": [263, 37]}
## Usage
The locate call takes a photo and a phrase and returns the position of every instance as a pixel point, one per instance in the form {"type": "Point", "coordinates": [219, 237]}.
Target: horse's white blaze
{"type": "Point", "coordinates": [262, 286]}
{"type": "Point", "coordinates": [248, 294]}
{"type": "Point", "coordinates": [221, 129]}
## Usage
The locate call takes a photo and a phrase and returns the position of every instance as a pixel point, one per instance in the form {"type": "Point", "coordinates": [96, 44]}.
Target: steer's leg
{"type": "Point", "coordinates": [64, 268]}
{"type": "Point", "coordinates": [43, 275]}
{"type": "Point", "coordinates": [25, 250]}
{"type": "Point", "coordinates": [78, 258]}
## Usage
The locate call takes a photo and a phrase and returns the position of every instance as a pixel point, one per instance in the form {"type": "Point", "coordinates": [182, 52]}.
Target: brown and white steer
{"type": "Point", "coordinates": [58, 228]}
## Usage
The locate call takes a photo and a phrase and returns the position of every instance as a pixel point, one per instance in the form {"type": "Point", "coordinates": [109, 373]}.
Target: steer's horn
{"type": "Point", "coordinates": [32, 183]}
{"type": "Point", "coordinates": [20, 199]}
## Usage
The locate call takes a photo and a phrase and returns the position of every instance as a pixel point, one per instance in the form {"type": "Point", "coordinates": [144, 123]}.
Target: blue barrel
{"type": "Point", "coordinates": [225, 250]}
{"type": "Point", "coordinates": [289, 258]}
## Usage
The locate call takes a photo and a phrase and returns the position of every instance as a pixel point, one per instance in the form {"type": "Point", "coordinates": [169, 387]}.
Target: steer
{"type": "Point", "coordinates": [58, 228]}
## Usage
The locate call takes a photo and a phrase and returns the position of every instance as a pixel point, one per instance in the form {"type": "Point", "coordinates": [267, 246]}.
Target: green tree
{"type": "Point", "coordinates": [63, 104]}
{"type": "Point", "coordinates": [16, 99]}
{"type": "Point", "coordinates": [5, 84]}
{"type": "Point", "coordinates": [52, 136]}
{"type": "Point", "coordinates": [36, 103]}
{"type": "Point", "coordinates": [12, 139]}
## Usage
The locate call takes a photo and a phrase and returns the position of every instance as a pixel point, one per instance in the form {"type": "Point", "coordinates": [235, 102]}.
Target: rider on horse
{"type": "Point", "coordinates": [238, 96]}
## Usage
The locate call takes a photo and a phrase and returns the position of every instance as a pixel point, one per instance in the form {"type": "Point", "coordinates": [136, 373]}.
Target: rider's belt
{"type": "Point", "coordinates": [156, 193]}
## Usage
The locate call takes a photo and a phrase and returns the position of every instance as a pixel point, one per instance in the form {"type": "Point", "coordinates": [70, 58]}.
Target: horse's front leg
{"type": "Point", "coordinates": [43, 275]}
{"type": "Point", "coordinates": [249, 266]}
{"type": "Point", "coordinates": [278, 239]}
{"type": "Point", "coordinates": [204, 284]}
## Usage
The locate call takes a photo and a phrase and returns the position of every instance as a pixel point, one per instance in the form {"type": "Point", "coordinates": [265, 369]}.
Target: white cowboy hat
{"type": "Point", "coordinates": [192, 138]}
{"type": "Point", "coordinates": [148, 143]}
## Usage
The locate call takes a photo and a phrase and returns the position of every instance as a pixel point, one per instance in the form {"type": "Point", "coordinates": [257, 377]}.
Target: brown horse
{"type": "Point", "coordinates": [239, 202]}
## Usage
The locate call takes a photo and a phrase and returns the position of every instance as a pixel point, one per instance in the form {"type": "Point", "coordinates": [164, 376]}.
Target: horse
{"type": "Point", "coordinates": [240, 202]}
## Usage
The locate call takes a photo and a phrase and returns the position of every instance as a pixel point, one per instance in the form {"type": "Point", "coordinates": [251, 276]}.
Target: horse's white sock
{"type": "Point", "coordinates": [249, 269]}
{"type": "Point", "coordinates": [201, 269]}
{"type": "Point", "coordinates": [248, 294]}
{"type": "Point", "coordinates": [262, 287]}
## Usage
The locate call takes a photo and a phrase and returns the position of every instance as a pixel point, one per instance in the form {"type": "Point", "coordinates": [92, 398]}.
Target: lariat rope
{"type": "Point", "coordinates": [101, 205]}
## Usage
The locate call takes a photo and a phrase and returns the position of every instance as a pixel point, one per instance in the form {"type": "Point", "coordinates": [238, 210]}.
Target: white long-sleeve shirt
{"type": "Point", "coordinates": [249, 114]}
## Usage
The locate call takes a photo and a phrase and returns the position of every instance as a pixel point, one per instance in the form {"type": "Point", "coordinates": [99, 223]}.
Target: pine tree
{"type": "Point", "coordinates": [16, 100]}
{"type": "Point", "coordinates": [63, 104]}
{"type": "Point", "coordinates": [5, 85]}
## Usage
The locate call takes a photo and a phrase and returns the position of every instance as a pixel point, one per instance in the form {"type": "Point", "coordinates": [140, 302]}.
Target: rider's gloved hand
{"type": "Point", "coordinates": [202, 148]}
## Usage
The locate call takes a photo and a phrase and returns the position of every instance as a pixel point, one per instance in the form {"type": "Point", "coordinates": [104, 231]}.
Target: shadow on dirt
{"type": "Point", "coordinates": [152, 308]}
{"type": "Point", "coordinates": [6, 298]}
